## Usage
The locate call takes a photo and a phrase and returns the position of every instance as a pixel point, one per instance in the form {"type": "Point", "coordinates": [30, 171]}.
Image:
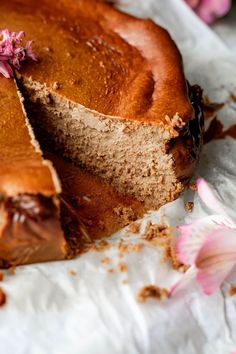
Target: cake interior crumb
{"type": "Point", "coordinates": [72, 272]}
{"type": "Point", "coordinates": [110, 270]}
{"type": "Point", "coordinates": [151, 291]}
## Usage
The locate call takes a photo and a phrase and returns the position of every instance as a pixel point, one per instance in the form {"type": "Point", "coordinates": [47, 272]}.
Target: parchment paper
{"type": "Point", "coordinates": [94, 312]}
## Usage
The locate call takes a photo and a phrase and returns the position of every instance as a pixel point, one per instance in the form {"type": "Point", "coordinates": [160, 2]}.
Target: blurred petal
{"type": "Point", "coordinates": [209, 198]}
{"type": "Point", "coordinates": [209, 10]}
{"type": "Point", "coordinates": [193, 3]}
{"type": "Point", "coordinates": [194, 235]}
{"type": "Point", "coordinates": [210, 280]}
{"type": "Point", "coordinates": [216, 258]}
{"type": "Point", "coordinates": [190, 273]}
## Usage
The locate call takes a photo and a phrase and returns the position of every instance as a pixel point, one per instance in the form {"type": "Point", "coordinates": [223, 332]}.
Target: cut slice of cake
{"type": "Point", "coordinates": [110, 94]}
{"type": "Point", "coordinates": [30, 229]}
{"type": "Point", "coordinates": [47, 215]}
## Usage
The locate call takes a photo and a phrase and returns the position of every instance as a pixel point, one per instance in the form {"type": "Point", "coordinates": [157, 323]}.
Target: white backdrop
{"type": "Point", "coordinates": [50, 311]}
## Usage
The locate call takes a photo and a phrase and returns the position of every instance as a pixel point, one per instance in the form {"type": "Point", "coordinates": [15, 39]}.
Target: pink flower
{"type": "Point", "coordinates": [12, 53]}
{"type": "Point", "coordinates": [208, 244]}
{"type": "Point", "coordinates": [209, 10]}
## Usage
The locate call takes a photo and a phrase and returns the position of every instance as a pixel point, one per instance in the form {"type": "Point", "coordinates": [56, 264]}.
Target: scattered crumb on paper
{"type": "Point", "coordinates": [232, 290]}
{"type": "Point", "coordinates": [189, 206]}
{"type": "Point", "coordinates": [151, 291]}
{"type": "Point", "coordinates": [122, 267]}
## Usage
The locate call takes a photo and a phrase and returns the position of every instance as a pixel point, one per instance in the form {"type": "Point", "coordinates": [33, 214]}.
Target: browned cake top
{"type": "Point", "coordinates": [22, 168]}
{"type": "Point", "coordinates": [101, 58]}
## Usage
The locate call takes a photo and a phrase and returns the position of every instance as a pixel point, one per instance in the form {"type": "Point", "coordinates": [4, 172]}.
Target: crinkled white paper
{"type": "Point", "coordinates": [50, 311]}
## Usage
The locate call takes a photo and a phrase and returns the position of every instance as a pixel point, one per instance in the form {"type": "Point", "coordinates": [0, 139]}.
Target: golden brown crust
{"type": "Point", "coordinates": [22, 168]}
{"type": "Point", "coordinates": [103, 59]}
{"type": "Point", "coordinates": [30, 229]}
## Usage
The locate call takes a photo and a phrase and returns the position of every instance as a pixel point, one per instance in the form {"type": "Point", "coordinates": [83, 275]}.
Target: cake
{"type": "Point", "coordinates": [108, 93]}
{"type": "Point", "coordinates": [29, 206]}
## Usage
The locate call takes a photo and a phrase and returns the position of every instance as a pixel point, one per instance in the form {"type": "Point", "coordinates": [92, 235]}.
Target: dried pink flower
{"type": "Point", "coordinates": [208, 244]}
{"type": "Point", "coordinates": [209, 10]}
{"type": "Point", "coordinates": [12, 52]}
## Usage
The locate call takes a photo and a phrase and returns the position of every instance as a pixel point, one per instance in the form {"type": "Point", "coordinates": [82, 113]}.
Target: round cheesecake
{"type": "Point", "coordinates": [108, 93]}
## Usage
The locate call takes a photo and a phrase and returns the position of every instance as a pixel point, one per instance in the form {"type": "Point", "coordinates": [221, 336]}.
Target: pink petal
{"type": "Point", "coordinates": [194, 235]}
{"type": "Point", "coordinates": [216, 258]}
{"type": "Point", "coordinates": [209, 198]}
{"type": "Point", "coordinates": [209, 10]}
{"type": "Point", "coordinates": [189, 274]}
{"type": "Point", "coordinates": [193, 3]}
{"type": "Point", "coordinates": [12, 51]}
{"type": "Point", "coordinates": [211, 280]}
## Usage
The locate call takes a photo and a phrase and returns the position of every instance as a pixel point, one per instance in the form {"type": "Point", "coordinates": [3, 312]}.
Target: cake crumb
{"type": "Point", "coordinates": [103, 243]}
{"type": "Point", "coordinates": [189, 206]}
{"type": "Point", "coordinates": [156, 232]}
{"type": "Point", "coordinates": [100, 246]}
{"type": "Point", "coordinates": [126, 214]}
{"type": "Point", "coordinates": [192, 186]}
{"type": "Point", "coordinates": [105, 260]}
{"type": "Point", "coordinates": [125, 281]}
{"type": "Point", "coordinates": [161, 236]}
{"type": "Point", "coordinates": [110, 270]}
{"type": "Point", "coordinates": [137, 247]}
{"type": "Point", "coordinates": [72, 272]}
{"type": "Point", "coordinates": [126, 247]}
{"type": "Point", "coordinates": [134, 227]}
{"type": "Point", "coordinates": [232, 290]}
{"type": "Point", "coordinates": [56, 85]}
{"type": "Point", "coordinates": [3, 297]}
{"type": "Point", "coordinates": [122, 267]}
{"type": "Point", "coordinates": [151, 291]}
{"type": "Point", "coordinates": [1, 276]}
{"type": "Point", "coordinates": [48, 49]}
